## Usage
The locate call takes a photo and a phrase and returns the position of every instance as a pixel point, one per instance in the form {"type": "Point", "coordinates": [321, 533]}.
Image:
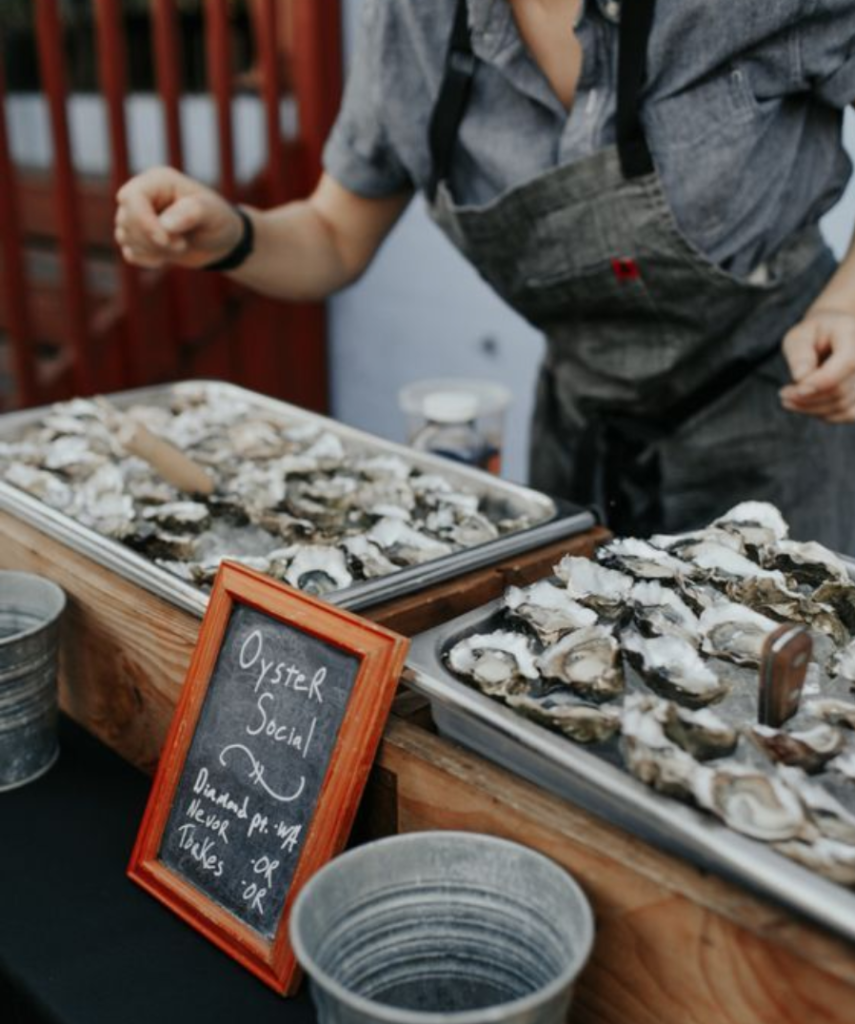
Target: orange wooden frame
{"type": "Point", "coordinates": [381, 654]}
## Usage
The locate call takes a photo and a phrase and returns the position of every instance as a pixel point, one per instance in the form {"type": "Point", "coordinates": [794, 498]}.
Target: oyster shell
{"type": "Point", "coordinates": [768, 598]}
{"type": "Point", "coordinates": [758, 523]}
{"type": "Point", "coordinates": [755, 804]}
{"type": "Point", "coordinates": [40, 484]}
{"type": "Point", "coordinates": [843, 663]}
{"type": "Point", "coordinates": [660, 611]}
{"type": "Point", "coordinates": [500, 663]}
{"type": "Point", "coordinates": [700, 733]}
{"type": "Point", "coordinates": [809, 750]}
{"type": "Point", "coordinates": [735, 632]}
{"type": "Point", "coordinates": [673, 668]}
{"type": "Point", "coordinates": [683, 545]}
{"type": "Point", "coordinates": [548, 609]}
{"type": "Point", "coordinates": [833, 860]}
{"type": "Point", "coordinates": [404, 545]}
{"type": "Point", "coordinates": [829, 816]}
{"type": "Point", "coordinates": [835, 712]}
{"type": "Point", "coordinates": [582, 723]}
{"type": "Point", "coordinates": [650, 755]}
{"type": "Point", "coordinates": [841, 597]}
{"type": "Point", "coordinates": [178, 515]}
{"type": "Point", "coordinates": [586, 661]}
{"type": "Point", "coordinates": [366, 558]}
{"type": "Point", "coordinates": [318, 570]}
{"type": "Point", "coordinates": [809, 563]}
{"type": "Point", "coordinates": [640, 559]}
{"type": "Point", "coordinates": [723, 563]}
{"type": "Point", "coordinates": [604, 590]}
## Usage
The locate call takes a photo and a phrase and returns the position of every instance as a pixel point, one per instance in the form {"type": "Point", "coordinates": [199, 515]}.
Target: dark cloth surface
{"type": "Point", "coordinates": [82, 944]}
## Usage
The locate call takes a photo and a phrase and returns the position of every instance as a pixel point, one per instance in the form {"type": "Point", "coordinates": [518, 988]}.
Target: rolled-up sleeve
{"type": "Point", "coordinates": [359, 153]}
{"type": "Point", "coordinates": [828, 51]}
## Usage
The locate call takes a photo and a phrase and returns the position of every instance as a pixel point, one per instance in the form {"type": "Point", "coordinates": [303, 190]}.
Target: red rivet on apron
{"type": "Point", "coordinates": [625, 269]}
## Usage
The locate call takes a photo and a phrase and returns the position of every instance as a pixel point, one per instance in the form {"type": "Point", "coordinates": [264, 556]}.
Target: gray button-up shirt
{"type": "Point", "coordinates": [742, 109]}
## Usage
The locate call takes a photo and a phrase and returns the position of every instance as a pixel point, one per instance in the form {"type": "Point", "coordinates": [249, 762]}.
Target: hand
{"type": "Point", "coordinates": [820, 352]}
{"type": "Point", "coordinates": [163, 217]}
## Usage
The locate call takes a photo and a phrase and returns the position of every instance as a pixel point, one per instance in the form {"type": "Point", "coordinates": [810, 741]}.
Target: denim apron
{"type": "Point", "coordinates": [658, 396]}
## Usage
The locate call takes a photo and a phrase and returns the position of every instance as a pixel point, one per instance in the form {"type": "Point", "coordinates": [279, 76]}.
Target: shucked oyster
{"type": "Point", "coordinates": [735, 632]}
{"type": "Point", "coordinates": [831, 859]}
{"type": "Point", "coordinates": [843, 663]}
{"type": "Point", "coordinates": [837, 712]}
{"type": "Point", "coordinates": [683, 545]}
{"type": "Point", "coordinates": [586, 661]}
{"type": "Point", "coordinates": [367, 558]}
{"type": "Point", "coordinates": [767, 597]}
{"type": "Point", "coordinates": [829, 816]}
{"type": "Point", "coordinates": [548, 609]}
{"type": "Point", "coordinates": [559, 710]}
{"type": "Point", "coordinates": [500, 662]}
{"type": "Point", "coordinates": [641, 559]}
{"type": "Point", "coordinates": [650, 755]}
{"type": "Point", "coordinates": [700, 733]}
{"type": "Point", "coordinates": [673, 668]}
{"type": "Point", "coordinates": [809, 750]}
{"type": "Point", "coordinates": [809, 563]}
{"type": "Point", "coordinates": [405, 545]}
{"type": "Point", "coordinates": [660, 611]}
{"type": "Point", "coordinates": [318, 570]}
{"type": "Point", "coordinates": [758, 523]}
{"type": "Point", "coordinates": [604, 590]}
{"type": "Point", "coordinates": [758, 805]}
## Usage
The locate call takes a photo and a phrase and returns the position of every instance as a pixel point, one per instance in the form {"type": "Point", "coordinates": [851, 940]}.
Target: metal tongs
{"type": "Point", "coordinates": [165, 459]}
{"type": "Point", "coordinates": [783, 666]}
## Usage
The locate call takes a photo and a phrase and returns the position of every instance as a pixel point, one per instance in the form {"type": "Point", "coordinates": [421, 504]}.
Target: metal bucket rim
{"type": "Point", "coordinates": [485, 1015]}
{"type": "Point", "coordinates": [56, 592]}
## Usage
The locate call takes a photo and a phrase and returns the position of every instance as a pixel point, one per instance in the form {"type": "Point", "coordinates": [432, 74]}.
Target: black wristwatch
{"type": "Point", "coordinates": [243, 247]}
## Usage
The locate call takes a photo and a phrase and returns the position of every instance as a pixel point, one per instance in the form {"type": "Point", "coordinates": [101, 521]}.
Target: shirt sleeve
{"type": "Point", "coordinates": [828, 51]}
{"type": "Point", "coordinates": [359, 153]}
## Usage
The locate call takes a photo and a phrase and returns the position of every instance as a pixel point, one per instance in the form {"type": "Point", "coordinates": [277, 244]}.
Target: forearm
{"type": "Point", "coordinates": [307, 250]}
{"type": "Point", "coordinates": [296, 255]}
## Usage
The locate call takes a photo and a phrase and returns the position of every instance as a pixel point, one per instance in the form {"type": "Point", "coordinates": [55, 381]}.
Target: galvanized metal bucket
{"type": "Point", "coordinates": [449, 927]}
{"type": "Point", "coordinates": [30, 611]}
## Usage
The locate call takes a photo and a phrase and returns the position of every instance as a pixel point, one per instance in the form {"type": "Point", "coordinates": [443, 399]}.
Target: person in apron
{"type": "Point", "coordinates": [659, 396]}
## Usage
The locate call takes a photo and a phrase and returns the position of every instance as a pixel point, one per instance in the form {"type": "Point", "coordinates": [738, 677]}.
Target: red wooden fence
{"type": "Point", "coordinates": [160, 326]}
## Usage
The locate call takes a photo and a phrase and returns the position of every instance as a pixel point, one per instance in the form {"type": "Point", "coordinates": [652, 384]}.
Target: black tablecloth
{"type": "Point", "coordinates": [82, 944]}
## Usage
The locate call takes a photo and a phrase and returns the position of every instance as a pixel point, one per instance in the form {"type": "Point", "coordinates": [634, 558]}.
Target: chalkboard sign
{"type": "Point", "coordinates": [268, 753]}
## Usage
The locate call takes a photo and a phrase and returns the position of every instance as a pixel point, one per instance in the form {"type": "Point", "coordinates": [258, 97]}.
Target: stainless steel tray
{"type": "Point", "coordinates": [595, 782]}
{"type": "Point", "coordinates": [553, 521]}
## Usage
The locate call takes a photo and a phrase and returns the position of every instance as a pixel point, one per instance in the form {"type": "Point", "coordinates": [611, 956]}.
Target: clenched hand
{"type": "Point", "coordinates": [820, 352]}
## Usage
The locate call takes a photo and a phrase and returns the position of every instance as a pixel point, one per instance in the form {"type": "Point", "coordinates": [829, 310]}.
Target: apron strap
{"type": "Point", "coordinates": [636, 23]}
{"type": "Point", "coordinates": [453, 96]}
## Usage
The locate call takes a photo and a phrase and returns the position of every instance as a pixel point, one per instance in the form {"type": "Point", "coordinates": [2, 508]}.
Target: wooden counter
{"type": "Point", "coordinates": [674, 945]}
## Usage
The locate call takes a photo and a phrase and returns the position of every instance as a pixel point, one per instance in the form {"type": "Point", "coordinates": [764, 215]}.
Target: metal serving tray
{"type": "Point", "coordinates": [596, 782]}
{"type": "Point", "coordinates": [553, 520]}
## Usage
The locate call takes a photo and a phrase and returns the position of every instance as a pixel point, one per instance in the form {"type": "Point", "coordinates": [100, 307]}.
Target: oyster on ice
{"type": "Point", "coordinates": [660, 611]}
{"type": "Point", "coordinates": [835, 712]}
{"type": "Point", "coordinates": [318, 570]}
{"type": "Point", "coordinates": [809, 750]}
{"type": "Point", "coordinates": [700, 733]}
{"type": "Point", "coordinates": [735, 632]}
{"type": "Point", "coordinates": [650, 755]}
{"type": "Point", "coordinates": [753, 803]}
{"type": "Point", "coordinates": [758, 523]}
{"type": "Point", "coordinates": [643, 560]}
{"type": "Point", "coordinates": [580, 722]}
{"type": "Point", "coordinates": [587, 661]}
{"type": "Point", "coordinates": [604, 590]}
{"type": "Point", "coordinates": [405, 545]}
{"type": "Point", "coordinates": [500, 663]}
{"type": "Point", "coordinates": [809, 563]}
{"type": "Point", "coordinates": [673, 668]}
{"type": "Point", "coordinates": [548, 609]}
